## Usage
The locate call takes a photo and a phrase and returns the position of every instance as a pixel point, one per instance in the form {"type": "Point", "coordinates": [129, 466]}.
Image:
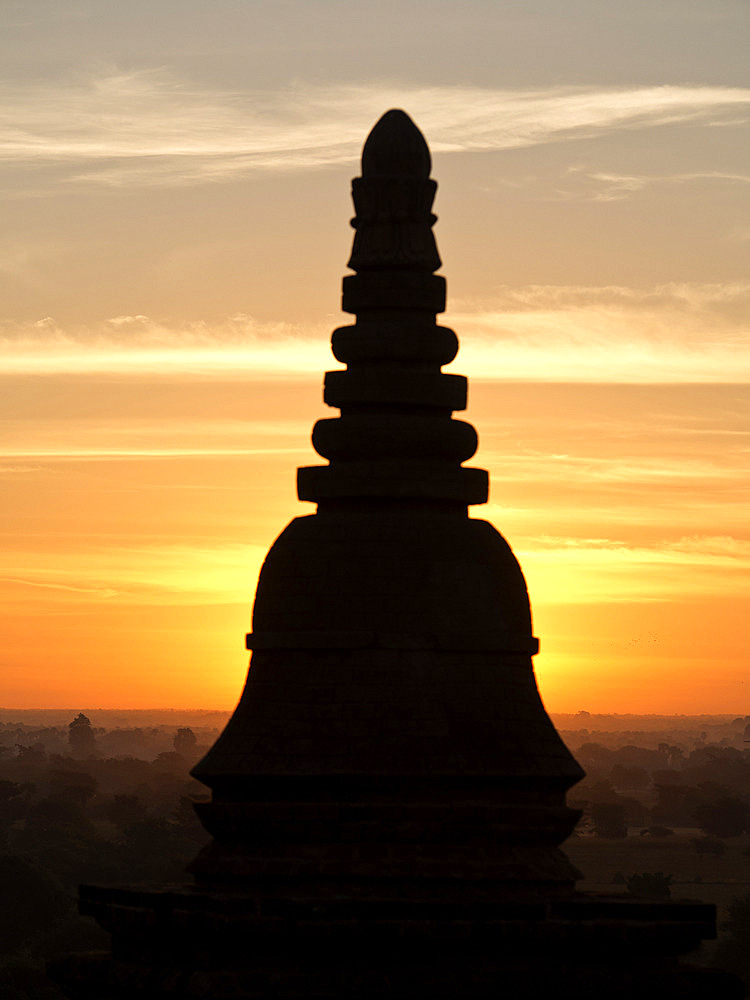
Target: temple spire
{"type": "Point", "coordinates": [388, 798]}
{"type": "Point", "coordinates": [395, 439]}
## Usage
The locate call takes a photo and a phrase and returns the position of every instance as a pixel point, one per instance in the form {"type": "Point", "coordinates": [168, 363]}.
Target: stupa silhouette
{"type": "Point", "coordinates": [388, 799]}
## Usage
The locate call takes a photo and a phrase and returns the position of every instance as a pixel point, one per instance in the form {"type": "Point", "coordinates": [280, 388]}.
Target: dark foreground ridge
{"type": "Point", "coordinates": [388, 799]}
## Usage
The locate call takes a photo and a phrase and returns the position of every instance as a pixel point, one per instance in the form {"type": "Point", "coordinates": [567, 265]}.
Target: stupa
{"type": "Point", "coordinates": [388, 799]}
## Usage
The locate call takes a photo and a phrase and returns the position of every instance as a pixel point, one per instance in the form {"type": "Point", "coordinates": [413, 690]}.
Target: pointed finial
{"type": "Point", "coordinates": [393, 201]}
{"type": "Point", "coordinates": [395, 147]}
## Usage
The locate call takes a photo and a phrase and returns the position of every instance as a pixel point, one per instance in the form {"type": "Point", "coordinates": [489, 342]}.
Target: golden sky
{"type": "Point", "coordinates": [175, 179]}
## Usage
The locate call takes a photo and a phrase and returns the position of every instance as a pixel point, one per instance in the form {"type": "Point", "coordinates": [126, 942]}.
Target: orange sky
{"type": "Point", "coordinates": [170, 270]}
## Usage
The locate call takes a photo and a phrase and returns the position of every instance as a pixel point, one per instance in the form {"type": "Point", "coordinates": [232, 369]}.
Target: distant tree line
{"type": "Point", "coordinates": [80, 803]}
{"type": "Point", "coordinates": [707, 788]}
{"type": "Point", "coordinates": [68, 818]}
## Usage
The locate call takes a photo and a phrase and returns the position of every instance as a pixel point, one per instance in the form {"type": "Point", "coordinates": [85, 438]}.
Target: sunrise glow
{"type": "Point", "coordinates": [175, 233]}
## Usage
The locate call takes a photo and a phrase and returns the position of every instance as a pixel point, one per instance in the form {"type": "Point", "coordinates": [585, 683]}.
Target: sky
{"type": "Point", "coordinates": [175, 184]}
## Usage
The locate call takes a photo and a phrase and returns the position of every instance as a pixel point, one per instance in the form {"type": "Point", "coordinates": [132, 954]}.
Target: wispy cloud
{"type": "Point", "coordinates": [138, 345]}
{"type": "Point", "coordinates": [638, 471]}
{"type": "Point", "coordinates": [669, 333]}
{"type": "Point", "coordinates": [614, 187]}
{"type": "Point", "coordinates": [148, 127]}
{"type": "Point", "coordinates": [601, 570]}
{"type": "Point", "coordinates": [140, 573]}
{"type": "Point", "coordinates": [133, 437]}
{"type": "Point", "coordinates": [102, 592]}
{"type": "Point", "coordinates": [609, 570]}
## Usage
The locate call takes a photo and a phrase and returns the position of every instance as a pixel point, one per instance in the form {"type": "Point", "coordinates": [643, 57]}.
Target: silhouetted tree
{"type": "Point", "coordinates": [31, 755]}
{"type": "Point", "coordinates": [81, 736]}
{"type": "Point", "coordinates": [74, 786]}
{"type": "Point", "coordinates": [708, 845]}
{"type": "Point", "coordinates": [608, 819]}
{"type": "Point", "coordinates": [170, 760]}
{"type": "Point", "coordinates": [58, 817]}
{"type": "Point", "coordinates": [604, 791]}
{"type": "Point", "coordinates": [155, 848]}
{"type": "Point", "coordinates": [658, 831]}
{"type": "Point", "coordinates": [629, 777]}
{"type": "Point", "coordinates": [672, 754]}
{"type": "Point", "coordinates": [676, 804]}
{"type": "Point", "coordinates": [651, 885]}
{"type": "Point", "coordinates": [12, 795]}
{"type": "Point", "coordinates": [185, 742]}
{"type": "Point", "coordinates": [124, 810]}
{"type": "Point", "coordinates": [725, 817]}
